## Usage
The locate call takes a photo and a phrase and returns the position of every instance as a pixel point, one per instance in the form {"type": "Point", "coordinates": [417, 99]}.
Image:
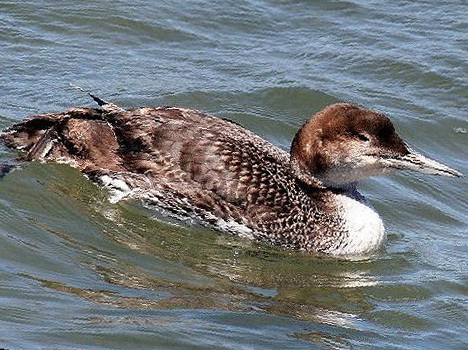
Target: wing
{"type": "Point", "coordinates": [215, 164]}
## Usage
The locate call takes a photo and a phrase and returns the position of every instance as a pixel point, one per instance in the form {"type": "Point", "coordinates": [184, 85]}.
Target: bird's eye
{"type": "Point", "coordinates": [362, 137]}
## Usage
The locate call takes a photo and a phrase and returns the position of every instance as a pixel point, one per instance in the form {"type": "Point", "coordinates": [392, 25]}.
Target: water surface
{"type": "Point", "coordinates": [80, 273]}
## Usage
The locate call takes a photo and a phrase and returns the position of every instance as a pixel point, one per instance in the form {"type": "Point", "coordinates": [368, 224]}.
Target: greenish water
{"type": "Point", "coordinates": [77, 272]}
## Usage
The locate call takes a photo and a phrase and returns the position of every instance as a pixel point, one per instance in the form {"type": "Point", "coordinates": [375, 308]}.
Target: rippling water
{"type": "Point", "coordinates": [80, 273]}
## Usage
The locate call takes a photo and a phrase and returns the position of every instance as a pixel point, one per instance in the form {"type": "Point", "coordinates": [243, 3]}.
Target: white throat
{"type": "Point", "coordinates": [365, 228]}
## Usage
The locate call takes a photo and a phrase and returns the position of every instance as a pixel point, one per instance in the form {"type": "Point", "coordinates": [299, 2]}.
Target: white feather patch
{"type": "Point", "coordinates": [118, 188]}
{"type": "Point", "coordinates": [365, 228]}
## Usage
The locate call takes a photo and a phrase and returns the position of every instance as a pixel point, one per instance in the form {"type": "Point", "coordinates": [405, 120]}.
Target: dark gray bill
{"type": "Point", "coordinates": [417, 162]}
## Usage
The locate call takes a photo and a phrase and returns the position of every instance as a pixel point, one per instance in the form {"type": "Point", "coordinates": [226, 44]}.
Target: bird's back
{"type": "Point", "coordinates": [183, 161]}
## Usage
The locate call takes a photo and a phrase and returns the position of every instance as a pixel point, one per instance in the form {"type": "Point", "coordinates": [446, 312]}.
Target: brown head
{"type": "Point", "coordinates": [345, 143]}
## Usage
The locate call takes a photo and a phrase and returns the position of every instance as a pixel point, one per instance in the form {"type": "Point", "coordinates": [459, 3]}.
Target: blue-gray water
{"type": "Point", "coordinates": [80, 273]}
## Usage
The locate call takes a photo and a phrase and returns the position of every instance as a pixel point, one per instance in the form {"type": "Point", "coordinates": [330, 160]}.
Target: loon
{"type": "Point", "coordinates": [195, 166]}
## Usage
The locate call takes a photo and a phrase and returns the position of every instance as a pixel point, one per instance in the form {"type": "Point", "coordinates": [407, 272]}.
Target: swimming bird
{"type": "Point", "coordinates": [200, 167]}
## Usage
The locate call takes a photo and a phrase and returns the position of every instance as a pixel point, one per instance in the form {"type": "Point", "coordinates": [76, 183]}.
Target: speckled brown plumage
{"type": "Point", "coordinates": [190, 164]}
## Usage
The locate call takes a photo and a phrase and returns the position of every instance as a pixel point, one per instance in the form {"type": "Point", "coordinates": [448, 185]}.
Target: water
{"type": "Point", "coordinates": [80, 273]}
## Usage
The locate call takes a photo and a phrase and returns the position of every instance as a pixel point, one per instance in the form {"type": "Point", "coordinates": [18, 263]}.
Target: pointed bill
{"type": "Point", "coordinates": [417, 162]}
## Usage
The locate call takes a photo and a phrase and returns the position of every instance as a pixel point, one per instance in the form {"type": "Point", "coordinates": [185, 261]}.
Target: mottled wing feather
{"type": "Point", "coordinates": [192, 154]}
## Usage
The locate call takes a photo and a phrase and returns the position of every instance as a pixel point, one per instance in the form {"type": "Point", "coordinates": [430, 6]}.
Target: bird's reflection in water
{"type": "Point", "coordinates": [178, 266]}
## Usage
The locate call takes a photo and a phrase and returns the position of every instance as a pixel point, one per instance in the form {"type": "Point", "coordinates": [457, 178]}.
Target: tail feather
{"type": "Point", "coordinates": [106, 106]}
{"type": "Point", "coordinates": [32, 132]}
{"type": "Point", "coordinates": [98, 100]}
{"type": "Point", "coordinates": [81, 137]}
{"type": "Point", "coordinates": [37, 134]}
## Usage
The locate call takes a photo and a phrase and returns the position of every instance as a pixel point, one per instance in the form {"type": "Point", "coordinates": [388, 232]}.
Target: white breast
{"type": "Point", "coordinates": [366, 231]}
